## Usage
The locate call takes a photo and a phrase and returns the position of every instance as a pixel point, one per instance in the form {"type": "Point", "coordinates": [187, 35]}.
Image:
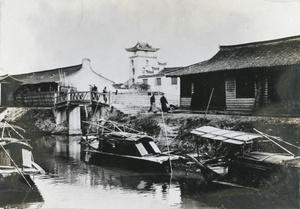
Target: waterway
{"type": "Point", "coordinates": [69, 182]}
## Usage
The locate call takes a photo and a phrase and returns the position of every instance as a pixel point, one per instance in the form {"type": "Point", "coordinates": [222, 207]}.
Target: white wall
{"type": "Point", "coordinates": [171, 91]}
{"type": "Point", "coordinates": [86, 77]}
{"type": "Point", "coordinates": [140, 65]}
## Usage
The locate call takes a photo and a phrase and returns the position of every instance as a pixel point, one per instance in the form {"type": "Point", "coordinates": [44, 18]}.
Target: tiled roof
{"type": "Point", "coordinates": [279, 52]}
{"type": "Point", "coordinates": [161, 73]}
{"type": "Point", "coordinates": [142, 47]}
{"type": "Point", "coordinates": [47, 76]}
{"type": "Point", "coordinates": [162, 63]}
{"type": "Point", "coordinates": [6, 79]}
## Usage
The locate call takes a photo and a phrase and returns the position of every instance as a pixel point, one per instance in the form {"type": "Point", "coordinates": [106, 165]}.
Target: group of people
{"type": "Point", "coordinates": [153, 108]}
{"type": "Point", "coordinates": [163, 102]}
{"type": "Point", "coordinates": [104, 91]}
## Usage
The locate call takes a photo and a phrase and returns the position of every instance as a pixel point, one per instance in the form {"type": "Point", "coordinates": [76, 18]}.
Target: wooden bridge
{"type": "Point", "coordinates": [69, 106]}
{"type": "Point", "coordinates": [81, 98]}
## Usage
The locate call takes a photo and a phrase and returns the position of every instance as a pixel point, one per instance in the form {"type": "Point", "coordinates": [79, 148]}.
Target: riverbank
{"type": "Point", "coordinates": [42, 120]}
{"type": "Point", "coordinates": [33, 120]}
{"type": "Point", "coordinates": [286, 128]}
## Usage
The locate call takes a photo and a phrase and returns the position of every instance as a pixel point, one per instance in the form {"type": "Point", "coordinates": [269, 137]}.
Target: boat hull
{"type": "Point", "coordinates": [141, 164]}
{"type": "Point", "coordinates": [15, 181]}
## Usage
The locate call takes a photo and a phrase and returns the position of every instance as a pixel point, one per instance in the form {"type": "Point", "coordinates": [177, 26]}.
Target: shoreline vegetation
{"type": "Point", "coordinates": [42, 121]}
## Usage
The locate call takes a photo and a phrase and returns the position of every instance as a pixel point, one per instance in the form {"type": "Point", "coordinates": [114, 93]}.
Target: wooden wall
{"type": "Point", "coordinates": [236, 104]}
{"type": "Point", "coordinates": [36, 99]}
{"type": "Point", "coordinates": [185, 102]}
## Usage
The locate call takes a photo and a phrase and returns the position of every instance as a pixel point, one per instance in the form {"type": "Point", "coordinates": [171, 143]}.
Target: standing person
{"type": "Point", "coordinates": [152, 104]}
{"type": "Point", "coordinates": [95, 92]}
{"type": "Point", "coordinates": [95, 88]}
{"type": "Point", "coordinates": [164, 102]}
{"type": "Point", "coordinates": [104, 94]}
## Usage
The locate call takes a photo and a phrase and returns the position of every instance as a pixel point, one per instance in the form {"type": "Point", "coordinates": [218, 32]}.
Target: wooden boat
{"type": "Point", "coordinates": [243, 159]}
{"type": "Point", "coordinates": [16, 160]}
{"type": "Point", "coordinates": [131, 150]}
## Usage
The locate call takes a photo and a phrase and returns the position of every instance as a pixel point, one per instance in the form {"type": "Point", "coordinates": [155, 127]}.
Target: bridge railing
{"type": "Point", "coordinates": [82, 97]}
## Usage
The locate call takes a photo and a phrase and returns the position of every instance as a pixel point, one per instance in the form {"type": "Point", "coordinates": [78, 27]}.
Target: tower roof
{"type": "Point", "coordinates": [142, 47]}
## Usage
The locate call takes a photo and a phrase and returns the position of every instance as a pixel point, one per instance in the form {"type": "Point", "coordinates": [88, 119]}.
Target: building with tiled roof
{"type": "Point", "coordinates": [145, 68]}
{"type": "Point", "coordinates": [38, 88]}
{"type": "Point", "coordinates": [143, 61]}
{"type": "Point", "coordinates": [251, 77]}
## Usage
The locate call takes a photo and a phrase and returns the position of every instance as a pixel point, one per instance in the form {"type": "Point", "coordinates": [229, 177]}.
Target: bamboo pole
{"type": "Point", "coordinates": [212, 91]}
{"type": "Point", "coordinates": [264, 135]}
{"type": "Point", "coordinates": [12, 159]}
{"type": "Point", "coordinates": [167, 142]}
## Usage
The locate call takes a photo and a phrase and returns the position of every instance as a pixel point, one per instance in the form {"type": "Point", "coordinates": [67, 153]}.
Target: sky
{"type": "Point", "coordinates": [38, 35]}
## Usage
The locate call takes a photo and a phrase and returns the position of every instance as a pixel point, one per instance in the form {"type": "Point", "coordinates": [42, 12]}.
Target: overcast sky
{"type": "Point", "coordinates": [38, 35]}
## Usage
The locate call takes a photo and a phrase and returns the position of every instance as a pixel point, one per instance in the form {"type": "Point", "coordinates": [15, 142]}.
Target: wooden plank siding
{"type": "Point", "coordinates": [237, 104]}
{"type": "Point", "coordinates": [234, 104]}
{"type": "Point", "coordinates": [185, 101]}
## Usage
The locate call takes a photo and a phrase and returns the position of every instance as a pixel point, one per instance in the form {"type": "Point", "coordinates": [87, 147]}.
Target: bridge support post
{"type": "Point", "coordinates": [61, 116]}
{"type": "Point", "coordinates": [75, 121]}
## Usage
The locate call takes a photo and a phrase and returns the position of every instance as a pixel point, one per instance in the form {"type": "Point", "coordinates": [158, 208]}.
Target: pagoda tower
{"type": "Point", "coordinates": [143, 61]}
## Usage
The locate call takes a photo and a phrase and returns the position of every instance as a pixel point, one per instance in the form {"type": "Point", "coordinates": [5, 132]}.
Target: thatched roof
{"type": "Point", "coordinates": [273, 53]}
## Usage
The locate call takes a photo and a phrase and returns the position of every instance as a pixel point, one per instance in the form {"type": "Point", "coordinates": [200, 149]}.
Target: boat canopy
{"type": "Point", "coordinates": [232, 137]}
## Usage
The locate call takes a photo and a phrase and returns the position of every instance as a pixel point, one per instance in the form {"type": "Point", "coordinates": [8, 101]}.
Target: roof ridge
{"type": "Point", "coordinates": [43, 71]}
{"type": "Point", "coordinates": [267, 42]}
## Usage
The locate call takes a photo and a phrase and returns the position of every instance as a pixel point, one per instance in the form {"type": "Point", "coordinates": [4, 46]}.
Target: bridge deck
{"type": "Point", "coordinates": [78, 98]}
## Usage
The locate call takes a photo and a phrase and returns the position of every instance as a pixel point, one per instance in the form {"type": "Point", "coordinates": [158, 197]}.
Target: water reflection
{"type": "Point", "coordinates": [71, 183]}
{"type": "Point", "coordinates": [25, 198]}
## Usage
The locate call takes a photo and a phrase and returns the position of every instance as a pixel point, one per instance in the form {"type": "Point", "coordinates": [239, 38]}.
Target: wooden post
{"type": "Point", "coordinates": [91, 96]}
{"type": "Point", "coordinates": [109, 97]}
{"type": "Point", "coordinates": [55, 98]}
{"type": "Point", "coordinates": [69, 95]}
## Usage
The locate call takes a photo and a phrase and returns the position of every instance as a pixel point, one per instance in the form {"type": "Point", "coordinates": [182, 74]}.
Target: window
{"type": "Point", "coordinates": [158, 81]}
{"type": "Point", "coordinates": [245, 87]}
{"type": "Point", "coordinates": [145, 81]}
{"type": "Point", "coordinates": [133, 71]}
{"type": "Point", "coordinates": [132, 63]}
{"type": "Point", "coordinates": [174, 81]}
{"type": "Point", "coordinates": [147, 63]}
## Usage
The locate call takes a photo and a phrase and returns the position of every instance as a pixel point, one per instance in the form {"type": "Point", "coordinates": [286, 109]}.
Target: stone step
{"type": "Point", "coordinates": [170, 131]}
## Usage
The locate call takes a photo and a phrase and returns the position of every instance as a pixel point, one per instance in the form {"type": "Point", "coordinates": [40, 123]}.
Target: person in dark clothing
{"type": "Point", "coordinates": [104, 94]}
{"type": "Point", "coordinates": [95, 88]}
{"type": "Point", "coordinates": [164, 102]}
{"type": "Point", "coordinates": [152, 104]}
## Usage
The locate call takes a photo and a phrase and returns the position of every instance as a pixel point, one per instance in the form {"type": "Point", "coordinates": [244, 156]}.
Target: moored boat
{"type": "Point", "coordinates": [16, 160]}
{"type": "Point", "coordinates": [249, 160]}
{"type": "Point", "coordinates": [131, 150]}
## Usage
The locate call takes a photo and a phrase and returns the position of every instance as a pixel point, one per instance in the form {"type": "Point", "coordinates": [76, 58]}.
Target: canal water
{"type": "Point", "coordinates": [69, 182]}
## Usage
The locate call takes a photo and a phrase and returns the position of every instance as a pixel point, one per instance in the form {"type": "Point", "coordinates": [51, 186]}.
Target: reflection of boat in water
{"type": "Point", "coordinates": [16, 160]}
{"type": "Point", "coordinates": [130, 150]}
{"type": "Point", "coordinates": [27, 197]}
{"type": "Point", "coordinates": [244, 159]}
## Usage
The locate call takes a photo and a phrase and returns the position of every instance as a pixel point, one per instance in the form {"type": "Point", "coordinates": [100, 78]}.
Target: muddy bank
{"type": "Point", "coordinates": [33, 120]}
{"type": "Point", "coordinates": [42, 121]}
{"type": "Point", "coordinates": [286, 128]}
